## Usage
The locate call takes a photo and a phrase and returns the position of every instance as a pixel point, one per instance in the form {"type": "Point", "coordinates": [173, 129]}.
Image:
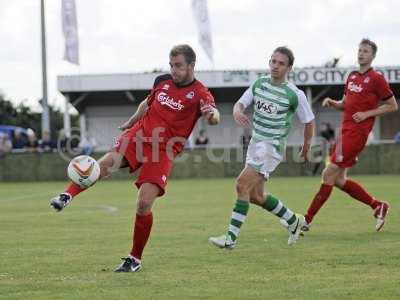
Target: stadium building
{"type": "Point", "coordinates": [106, 101]}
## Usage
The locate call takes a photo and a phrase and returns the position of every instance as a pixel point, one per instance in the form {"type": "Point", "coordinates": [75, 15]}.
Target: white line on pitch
{"type": "Point", "coordinates": [29, 196]}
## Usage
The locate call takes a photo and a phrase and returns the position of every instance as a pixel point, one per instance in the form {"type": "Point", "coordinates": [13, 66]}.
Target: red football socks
{"type": "Point", "coordinates": [319, 200]}
{"type": "Point", "coordinates": [141, 234]}
{"type": "Point", "coordinates": [73, 189]}
{"type": "Point", "coordinates": [356, 191]}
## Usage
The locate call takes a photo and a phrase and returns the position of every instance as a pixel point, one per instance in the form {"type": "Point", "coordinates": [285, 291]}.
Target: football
{"type": "Point", "coordinates": [84, 171]}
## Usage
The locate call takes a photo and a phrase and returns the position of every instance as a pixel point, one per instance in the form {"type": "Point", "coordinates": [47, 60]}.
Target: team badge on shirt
{"type": "Point", "coordinates": [366, 80]}
{"type": "Point", "coordinates": [190, 95]}
{"type": "Point", "coordinates": [165, 87]}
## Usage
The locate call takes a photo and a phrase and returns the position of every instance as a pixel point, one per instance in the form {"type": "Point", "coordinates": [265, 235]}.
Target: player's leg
{"type": "Point", "coordinates": [244, 184]}
{"type": "Point", "coordinates": [341, 178]}
{"type": "Point", "coordinates": [272, 204]}
{"type": "Point", "coordinates": [328, 180]}
{"type": "Point", "coordinates": [350, 143]}
{"type": "Point", "coordinates": [109, 163]}
{"type": "Point", "coordinates": [151, 182]}
{"type": "Point", "coordinates": [356, 191]}
{"type": "Point", "coordinates": [148, 192]}
{"type": "Point", "coordinates": [257, 193]}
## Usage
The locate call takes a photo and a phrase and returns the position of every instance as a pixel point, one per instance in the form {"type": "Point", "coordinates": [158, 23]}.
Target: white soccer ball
{"type": "Point", "coordinates": [84, 171]}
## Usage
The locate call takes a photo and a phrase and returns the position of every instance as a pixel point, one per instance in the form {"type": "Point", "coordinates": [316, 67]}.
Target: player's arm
{"type": "Point", "coordinates": [336, 104]}
{"type": "Point", "coordinates": [240, 106]}
{"type": "Point", "coordinates": [208, 109]}
{"type": "Point", "coordinates": [210, 113]}
{"type": "Point", "coordinates": [141, 110]}
{"type": "Point", "coordinates": [390, 105]}
{"type": "Point", "coordinates": [309, 129]}
{"type": "Point", "coordinates": [306, 116]}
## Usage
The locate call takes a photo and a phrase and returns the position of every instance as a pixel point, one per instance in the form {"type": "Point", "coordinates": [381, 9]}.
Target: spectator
{"type": "Point", "coordinates": [46, 144]}
{"type": "Point", "coordinates": [328, 134]}
{"type": "Point", "coordinates": [63, 142]}
{"type": "Point", "coordinates": [87, 145]}
{"type": "Point", "coordinates": [19, 141]}
{"type": "Point", "coordinates": [202, 139]}
{"type": "Point", "coordinates": [397, 138]}
{"type": "Point", "coordinates": [5, 144]}
{"type": "Point", "coordinates": [32, 143]}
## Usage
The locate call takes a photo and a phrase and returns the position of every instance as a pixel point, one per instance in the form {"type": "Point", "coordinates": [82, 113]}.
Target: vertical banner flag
{"type": "Point", "coordinates": [200, 12]}
{"type": "Point", "coordinates": [70, 30]}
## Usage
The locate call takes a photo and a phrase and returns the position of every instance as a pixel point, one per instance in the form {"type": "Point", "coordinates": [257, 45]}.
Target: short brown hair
{"type": "Point", "coordinates": [366, 41]}
{"type": "Point", "coordinates": [186, 51]}
{"type": "Point", "coordinates": [286, 51]}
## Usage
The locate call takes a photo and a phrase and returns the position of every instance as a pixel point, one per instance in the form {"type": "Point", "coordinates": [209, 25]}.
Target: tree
{"type": "Point", "coordinates": [23, 116]}
{"type": "Point", "coordinates": [7, 111]}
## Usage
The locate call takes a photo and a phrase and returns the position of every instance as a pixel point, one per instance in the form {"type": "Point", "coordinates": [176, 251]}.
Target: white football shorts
{"type": "Point", "coordinates": [263, 157]}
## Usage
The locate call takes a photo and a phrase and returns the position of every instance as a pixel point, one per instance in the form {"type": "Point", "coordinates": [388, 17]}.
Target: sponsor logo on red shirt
{"type": "Point", "coordinates": [164, 99]}
{"type": "Point", "coordinates": [357, 88]}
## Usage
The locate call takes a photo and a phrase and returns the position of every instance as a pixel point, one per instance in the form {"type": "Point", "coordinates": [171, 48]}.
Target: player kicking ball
{"type": "Point", "coordinates": [274, 101]}
{"type": "Point", "coordinates": [360, 105]}
{"type": "Point", "coordinates": [152, 137]}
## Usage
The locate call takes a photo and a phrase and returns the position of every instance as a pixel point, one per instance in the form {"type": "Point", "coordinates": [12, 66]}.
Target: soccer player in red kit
{"type": "Point", "coordinates": [360, 105]}
{"type": "Point", "coordinates": [152, 137]}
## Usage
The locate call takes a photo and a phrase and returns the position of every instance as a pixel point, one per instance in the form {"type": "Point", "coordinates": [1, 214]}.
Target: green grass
{"type": "Point", "coordinates": [71, 255]}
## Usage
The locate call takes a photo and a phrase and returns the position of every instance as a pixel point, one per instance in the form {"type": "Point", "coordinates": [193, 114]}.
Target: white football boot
{"type": "Point", "coordinates": [380, 214]}
{"type": "Point", "coordinates": [223, 241]}
{"type": "Point", "coordinates": [294, 229]}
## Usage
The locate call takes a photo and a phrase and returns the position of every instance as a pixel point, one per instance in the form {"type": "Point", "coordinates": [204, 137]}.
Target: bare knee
{"type": "Point", "coordinates": [144, 206]}
{"type": "Point", "coordinates": [147, 195]}
{"type": "Point", "coordinates": [242, 186]}
{"type": "Point", "coordinates": [330, 174]}
{"type": "Point", "coordinates": [340, 181]}
{"type": "Point", "coordinates": [257, 199]}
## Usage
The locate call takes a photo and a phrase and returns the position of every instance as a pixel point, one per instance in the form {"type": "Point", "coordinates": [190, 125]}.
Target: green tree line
{"type": "Point", "coordinates": [22, 116]}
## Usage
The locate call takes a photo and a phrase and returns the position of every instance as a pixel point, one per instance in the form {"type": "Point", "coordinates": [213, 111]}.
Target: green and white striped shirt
{"type": "Point", "coordinates": [274, 106]}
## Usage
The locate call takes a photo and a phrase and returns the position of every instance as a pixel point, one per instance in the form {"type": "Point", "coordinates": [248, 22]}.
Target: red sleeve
{"type": "Point", "coordinates": [382, 88]}
{"type": "Point", "coordinates": [207, 98]}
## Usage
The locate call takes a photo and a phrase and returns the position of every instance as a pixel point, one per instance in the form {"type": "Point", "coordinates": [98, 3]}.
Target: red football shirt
{"type": "Point", "coordinates": [173, 111]}
{"type": "Point", "coordinates": [363, 92]}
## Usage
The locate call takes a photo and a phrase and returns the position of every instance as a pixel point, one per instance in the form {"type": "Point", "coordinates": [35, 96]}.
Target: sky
{"type": "Point", "coordinates": [126, 36]}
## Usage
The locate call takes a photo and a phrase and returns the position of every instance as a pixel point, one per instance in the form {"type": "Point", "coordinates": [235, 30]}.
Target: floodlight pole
{"type": "Point", "coordinates": [44, 102]}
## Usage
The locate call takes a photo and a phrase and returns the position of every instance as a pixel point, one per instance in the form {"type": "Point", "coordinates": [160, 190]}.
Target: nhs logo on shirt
{"type": "Point", "coordinates": [266, 106]}
{"type": "Point", "coordinates": [164, 99]}
{"type": "Point", "coordinates": [357, 88]}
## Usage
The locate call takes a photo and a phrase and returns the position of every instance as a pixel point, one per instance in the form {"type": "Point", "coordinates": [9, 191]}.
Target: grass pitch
{"type": "Point", "coordinates": [71, 255]}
